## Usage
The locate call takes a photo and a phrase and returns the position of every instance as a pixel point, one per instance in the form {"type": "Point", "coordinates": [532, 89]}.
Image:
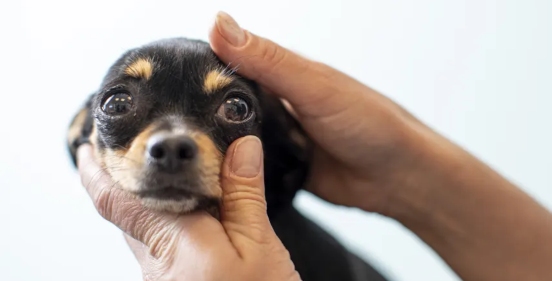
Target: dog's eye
{"type": "Point", "coordinates": [234, 109]}
{"type": "Point", "coordinates": [119, 103]}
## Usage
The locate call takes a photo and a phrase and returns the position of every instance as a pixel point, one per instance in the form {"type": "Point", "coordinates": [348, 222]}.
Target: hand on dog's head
{"type": "Point", "coordinates": [164, 116]}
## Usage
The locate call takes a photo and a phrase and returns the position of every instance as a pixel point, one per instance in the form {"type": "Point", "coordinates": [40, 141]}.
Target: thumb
{"type": "Point", "coordinates": [243, 212]}
{"type": "Point", "coordinates": [269, 64]}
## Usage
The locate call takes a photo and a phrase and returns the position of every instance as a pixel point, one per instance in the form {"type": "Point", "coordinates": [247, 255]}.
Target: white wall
{"type": "Point", "coordinates": [476, 70]}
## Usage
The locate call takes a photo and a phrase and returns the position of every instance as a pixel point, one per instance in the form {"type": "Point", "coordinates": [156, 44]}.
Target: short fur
{"type": "Point", "coordinates": [177, 85]}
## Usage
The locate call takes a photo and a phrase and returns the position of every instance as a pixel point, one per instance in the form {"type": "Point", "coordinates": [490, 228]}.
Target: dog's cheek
{"type": "Point", "coordinates": [125, 165]}
{"type": "Point", "coordinates": [122, 169]}
{"type": "Point", "coordinates": [136, 152]}
{"type": "Point", "coordinates": [210, 164]}
{"type": "Point", "coordinates": [119, 168]}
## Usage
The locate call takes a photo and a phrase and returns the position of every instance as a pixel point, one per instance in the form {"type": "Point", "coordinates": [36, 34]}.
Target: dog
{"type": "Point", "coordinates": [160, 124]}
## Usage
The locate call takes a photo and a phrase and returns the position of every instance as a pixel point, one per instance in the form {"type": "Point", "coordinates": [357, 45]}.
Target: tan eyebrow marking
{"type": "Point", "coordinates": [215, 80]}
{"type": "Point", "coordinates": [141, 68]}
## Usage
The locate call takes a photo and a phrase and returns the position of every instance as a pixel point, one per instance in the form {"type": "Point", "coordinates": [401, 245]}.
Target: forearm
{"type": "Point", "coordinates": [479, 223]}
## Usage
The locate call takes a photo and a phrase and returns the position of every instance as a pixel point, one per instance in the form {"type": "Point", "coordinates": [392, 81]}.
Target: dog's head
{"type": "Point", "coordinates": [164, 116]}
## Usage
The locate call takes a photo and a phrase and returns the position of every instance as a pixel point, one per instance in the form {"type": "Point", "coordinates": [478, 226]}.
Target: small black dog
{"type": "Point", "coordinates": [160, 125]}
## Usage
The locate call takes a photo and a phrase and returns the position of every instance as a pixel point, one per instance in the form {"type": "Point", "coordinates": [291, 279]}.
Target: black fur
{"type": "Point", "coordinates": [175, 89]}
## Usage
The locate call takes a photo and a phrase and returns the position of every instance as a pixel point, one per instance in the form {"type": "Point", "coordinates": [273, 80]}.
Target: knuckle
{"type": "Point", "coordinates": [241, 196]}
{"type": "Point", "coordinates": [104, 202]}
{"type": "Point", "coordinates": [273, 53]}
{"type": "Point", "coordinates": [238, 197]}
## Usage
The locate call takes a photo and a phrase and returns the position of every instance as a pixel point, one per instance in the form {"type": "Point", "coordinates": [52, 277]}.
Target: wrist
{"type": "Point", "coordinates": [431, 171]}
{"type": "Point", "coordinates": [461, 208]}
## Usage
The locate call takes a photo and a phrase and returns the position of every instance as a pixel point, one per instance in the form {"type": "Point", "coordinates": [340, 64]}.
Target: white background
{"type": "Point", "coordinates": [479, 71]}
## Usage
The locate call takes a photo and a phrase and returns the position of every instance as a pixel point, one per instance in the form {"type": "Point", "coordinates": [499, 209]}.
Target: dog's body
{"type": "Point", "coordinates": [162, 121]}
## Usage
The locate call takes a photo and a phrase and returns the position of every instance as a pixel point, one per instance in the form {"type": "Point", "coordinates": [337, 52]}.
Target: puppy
{"type": "Point", "coordinates": [160, 124]}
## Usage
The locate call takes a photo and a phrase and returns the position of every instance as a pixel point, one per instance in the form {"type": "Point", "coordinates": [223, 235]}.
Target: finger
{"type": "Point", "coordinates": [139, 249]}
{"type": "Point", "coordinates": [158, 231]}
{"type": "Point", "coordinates": [289, 108]}
{"type": "Point", "coordinates": [285, 103]}
{"type": "Point", "coordinates": [306, 81]}
{"type": "Point", "coordinates": [152, 268]}
{"type": "Point", "coordinates": [244, 206]}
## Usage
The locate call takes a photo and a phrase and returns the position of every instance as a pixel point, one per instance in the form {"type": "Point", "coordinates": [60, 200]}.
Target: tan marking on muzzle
{"type": "Point", "coordinates": [124, 164]}
{"type": "Point", "coordinates": [210, 162]}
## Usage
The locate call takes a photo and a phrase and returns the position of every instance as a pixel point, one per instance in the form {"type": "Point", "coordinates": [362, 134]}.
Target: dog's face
{"type": "Point", "coordinates": [166, 113]}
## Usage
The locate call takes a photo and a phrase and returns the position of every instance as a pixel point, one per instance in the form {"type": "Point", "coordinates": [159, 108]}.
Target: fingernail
{"type": "Point", "coordinates": [230, 30]}
{"type": "Point", "coordinates": [246, 161]}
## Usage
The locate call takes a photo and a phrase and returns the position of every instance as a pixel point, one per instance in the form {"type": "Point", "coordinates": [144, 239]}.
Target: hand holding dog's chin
{"type": "Point", "coordinates": [242, 246]}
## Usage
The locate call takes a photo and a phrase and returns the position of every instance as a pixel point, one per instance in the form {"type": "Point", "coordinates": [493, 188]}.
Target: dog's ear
{"type": "Point", "coordinates": [80, 129]}
{"type": "Point", "coordinates": [287, 152]}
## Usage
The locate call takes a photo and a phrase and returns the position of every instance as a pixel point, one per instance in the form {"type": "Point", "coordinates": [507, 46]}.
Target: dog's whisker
{"type": "Point", "coordinates": [96, 174]}
{"type": "Point", "coordinates": [121, 158]}
{"type": "Point", "coordinates": [114, 184]}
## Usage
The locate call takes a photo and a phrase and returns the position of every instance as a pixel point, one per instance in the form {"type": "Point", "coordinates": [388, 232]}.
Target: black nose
{"type": "Point", "coordinates": [170, 152]}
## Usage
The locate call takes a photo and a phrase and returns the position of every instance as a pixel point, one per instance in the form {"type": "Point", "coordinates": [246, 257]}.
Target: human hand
{"type": "Point", "coordinates": [242, 246]}
{"type": "Point", "coordinates": [372, 154]}
{"type": "Point", "coordinates": [364, 141]}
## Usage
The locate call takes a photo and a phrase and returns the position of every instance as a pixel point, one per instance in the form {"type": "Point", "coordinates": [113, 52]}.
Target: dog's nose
{"type": "Point", "coordinates": [170, 152]}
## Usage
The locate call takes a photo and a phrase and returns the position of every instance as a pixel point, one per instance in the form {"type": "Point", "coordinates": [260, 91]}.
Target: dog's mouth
{"type": "Point", "coordinates": [168, 193]}
{"type": "Point", "coordinates": [178, 200]}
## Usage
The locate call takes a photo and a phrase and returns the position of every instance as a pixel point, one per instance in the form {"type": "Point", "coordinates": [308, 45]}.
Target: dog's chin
{"type": "Point", "coordinates": [180, 206]}
{"type": "Point", "coordinates": [177, 200]}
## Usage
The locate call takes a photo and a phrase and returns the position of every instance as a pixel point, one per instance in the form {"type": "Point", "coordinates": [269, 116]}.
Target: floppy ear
{"type": "Point", "coordinates": [287, 152]}
{"type": "Point", "coordinates": [80, 129]}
